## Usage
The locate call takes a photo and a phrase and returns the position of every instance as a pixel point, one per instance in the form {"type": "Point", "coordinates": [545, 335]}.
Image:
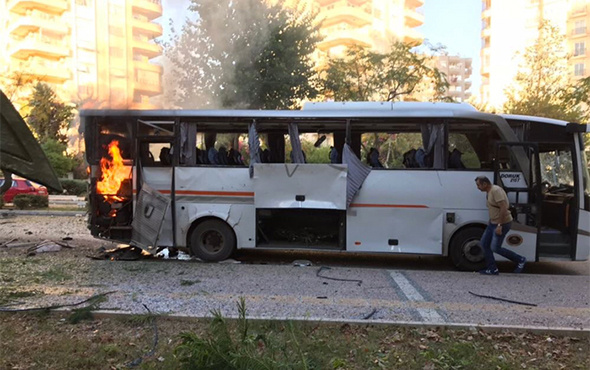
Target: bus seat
{"type": "Point", "coordinates": [265, 156]}
{"type": "Point", "coordinates": [165, 156]}
{"type": "Point", "coordinates": [454, 160]}
{"type": "Point", "coordinates": [222, 156]}
{"type": "Point", "coordinates": [420, 157]}
{"type": "Point", "coordinates": [212, 156]}
{"type": "Point", "coordinates": [373, 158]}
{"type": "Point", "coordinates": [235, 158]}
{"type": "Point", "coordinates": [334, 155]}
{"type": "Point", "coordinates": [409, 160]}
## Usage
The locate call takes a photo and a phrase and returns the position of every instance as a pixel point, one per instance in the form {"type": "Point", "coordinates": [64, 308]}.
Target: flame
{"type": "Point", "coordinates": [113, 174]}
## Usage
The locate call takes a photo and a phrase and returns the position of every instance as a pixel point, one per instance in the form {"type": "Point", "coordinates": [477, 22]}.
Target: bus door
{"type": "Point", "coordinates": [300, 206]}
{"type": "Point", "coordinates": [152, 219]}
{"type": "Point", "coordinates": [516, 169]}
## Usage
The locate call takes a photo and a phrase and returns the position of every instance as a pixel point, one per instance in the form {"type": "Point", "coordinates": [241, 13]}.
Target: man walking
{"type": "Point", "coordinates": [498, 226]}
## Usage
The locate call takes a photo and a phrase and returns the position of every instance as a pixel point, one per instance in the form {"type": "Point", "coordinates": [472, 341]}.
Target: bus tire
{"type": "Point", "coordinates": [212, 240]}
{"type": "Point", "coordinates": [465, 250]}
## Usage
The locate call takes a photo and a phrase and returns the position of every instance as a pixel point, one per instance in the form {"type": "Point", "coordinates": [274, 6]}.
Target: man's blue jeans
{"type": "Point", "coordinates": [492, 243]}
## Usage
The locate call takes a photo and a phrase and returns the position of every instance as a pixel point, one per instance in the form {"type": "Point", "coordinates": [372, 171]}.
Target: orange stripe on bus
{"type": "Point", "coordinates": [215, 193]}
{"type": "Point", "coordinates": [365, 205]}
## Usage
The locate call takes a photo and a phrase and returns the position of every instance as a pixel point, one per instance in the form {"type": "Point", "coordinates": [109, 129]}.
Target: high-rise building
{"type": "Point", "coordinates": [578, 36]}
{"type": "Point", "coordinates": [509, 27]}
{"type": "Point", "coordinates": [94, 52]}
{"type": "Point", "coordinates": [458, 72]}
{"type": "Point", "coordinates": [368, 23]}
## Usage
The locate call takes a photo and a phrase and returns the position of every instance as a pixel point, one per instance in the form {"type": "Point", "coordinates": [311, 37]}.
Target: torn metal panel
{"type": "Point", "coordinates": [296, 186]}
{"type": "Point", "coordinates": [20, 153]}
{"type": "Point", "coordinates": [150, 210]}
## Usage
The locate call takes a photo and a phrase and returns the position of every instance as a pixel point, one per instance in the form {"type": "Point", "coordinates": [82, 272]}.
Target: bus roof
{"type": "Point", "coordinates": [535, 119]}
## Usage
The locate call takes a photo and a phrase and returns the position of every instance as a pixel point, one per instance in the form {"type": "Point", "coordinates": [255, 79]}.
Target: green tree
{"type": "Point", "coordinates": [57, 155]}
{"type": "Point", "coordinates": [243, 54]}
{"type": "Point", "coordinates": [541, 85]}
{"type": "Point", "coordinates": [49, 118]}
{"type": "Point", "coordinates": [365, 75]}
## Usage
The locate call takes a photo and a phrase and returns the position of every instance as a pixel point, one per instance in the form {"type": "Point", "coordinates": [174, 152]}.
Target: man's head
{"type": "Point", "coordinates": [483, 183]}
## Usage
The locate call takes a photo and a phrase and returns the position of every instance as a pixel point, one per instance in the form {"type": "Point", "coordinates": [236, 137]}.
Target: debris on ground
{"type": "Point", "coordinates": [123, 252]}
{"type": "Point", "coordinates": [47, 246]}
{"type": "Point", "coordinates": [301, 263]}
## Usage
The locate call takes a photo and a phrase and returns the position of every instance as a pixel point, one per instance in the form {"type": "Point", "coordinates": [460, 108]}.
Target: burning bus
{"type": "Point", "coordinates": [217, 181]}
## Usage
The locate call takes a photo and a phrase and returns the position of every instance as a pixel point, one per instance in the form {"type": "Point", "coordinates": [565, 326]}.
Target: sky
{"type": "Point", "coordinates": [455, 24]}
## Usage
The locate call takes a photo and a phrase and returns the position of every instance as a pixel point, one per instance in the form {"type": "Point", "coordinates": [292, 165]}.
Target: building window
{"type": "Point", "coordinates": [579, 69]}
{"type": "Point", "coordinates": [579, 48]}
{"type": "Point", "coordinates": [580, 27]}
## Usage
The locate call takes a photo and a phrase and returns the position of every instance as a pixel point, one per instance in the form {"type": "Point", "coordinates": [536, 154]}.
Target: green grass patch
{"type": "Point", "coordinates": [189, 282]}
{"type": "Point", "coordinates": [58, 274]}
{"type": "Point", "coordinates": [10, 295]}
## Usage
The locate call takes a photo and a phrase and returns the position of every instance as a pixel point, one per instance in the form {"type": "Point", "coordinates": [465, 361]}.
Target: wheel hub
{"type": "Point", "coordinates": [212, 241]}
{"type": "Point", "coordinates": [472, 251]}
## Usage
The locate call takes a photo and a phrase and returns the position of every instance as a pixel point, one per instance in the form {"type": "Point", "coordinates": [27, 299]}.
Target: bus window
{"type": "Point", "coordinates": [316, 147]}
{"type": "Point", "coordinates": [227, 149]}
{"type": "Point", "coordinates": [158, 154]}
{"type": "Point", "coordinates": [461, 153]}
{"type": "Point", "coordinates": [388, 150]}
{"type": "Point", "coordinates": [557, 169]}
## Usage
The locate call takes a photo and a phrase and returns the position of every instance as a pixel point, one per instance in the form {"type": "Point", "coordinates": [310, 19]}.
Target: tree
{"type": "Point", "coordinates": [49, 118]}
{"type": "Point", "coordinates": [56, 153]}
{"type": "Point", "coordinates": [541, 85]}
{"type": "Point", "coordinates": [363, 75]}
{"type": "Point", "coordinates": [243, 54]}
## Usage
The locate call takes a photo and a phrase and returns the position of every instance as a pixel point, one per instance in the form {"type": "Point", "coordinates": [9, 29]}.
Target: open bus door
{"type": "Point", "coordinates": [516, 170]}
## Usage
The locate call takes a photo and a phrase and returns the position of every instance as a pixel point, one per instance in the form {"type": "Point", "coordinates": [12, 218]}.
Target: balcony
{"type": "Point", "coordinates": [412, 36]}
{"type": "Point", "coordinates": [37, 45]}
{"type": "Point", "coordinates": [152, 9]}
{"type": "Point", "coordinates": [345, 14]}
{"type": "Point", "coordinates": [414, 3]}
{"type": "Point", "coordinates": [146, 47]}
{"type": "Point", "coordinates": [146, 27]}
{"type": "Point", "coordinates": [145, 65]}
{"type": "Point", "coordinates": [44, 70]}
{"type": "Point", "coordinates": [148, 86]}
{"type": "Point", "coordinates": [467, 84]}
{"type": "Point", "coordinates": [52, 6]}
{"type": "Point", "coordinates": [413, 18]}
{"type": "Point", "coordinates": [25, 25]}
{"type": "Point", "coordinates": [345, 38]}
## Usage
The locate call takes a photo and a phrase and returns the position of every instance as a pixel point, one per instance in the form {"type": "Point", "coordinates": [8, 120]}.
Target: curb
{"type": "Point", "coordinates": [488, 328]}
{"type": "Point", "coordinates": [11, 213]}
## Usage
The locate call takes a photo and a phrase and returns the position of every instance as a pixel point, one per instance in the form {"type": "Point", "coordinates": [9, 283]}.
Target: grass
{"type": "Point", "coordinates": [35, 341]}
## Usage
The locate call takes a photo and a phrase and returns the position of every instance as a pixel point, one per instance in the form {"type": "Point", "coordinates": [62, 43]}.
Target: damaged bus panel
{"type": "Point", "coordinates": [394, 178]}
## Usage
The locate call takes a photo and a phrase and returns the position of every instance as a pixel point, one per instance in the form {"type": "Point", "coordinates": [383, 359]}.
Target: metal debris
{"type": "Point", "coordinates": [301, 263]}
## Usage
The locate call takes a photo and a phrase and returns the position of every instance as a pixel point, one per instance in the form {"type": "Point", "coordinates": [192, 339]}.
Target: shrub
{"type": "Point", "coordinates": [27, 201]}
{"type": "Point", "coordinates": [72, 187]}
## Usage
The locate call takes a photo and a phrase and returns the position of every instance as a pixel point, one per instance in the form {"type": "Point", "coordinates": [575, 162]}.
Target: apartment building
{"type": "Point", "coordinates": [509, 27]}
{"type": "Point", "coordinates": [458, 71]}
{"type": "Point", "coordinates": [94, 52]}
{"type": "Point", "coordinates": [368, 23]}
{"type": "Point", "coordinates": [578, 38]}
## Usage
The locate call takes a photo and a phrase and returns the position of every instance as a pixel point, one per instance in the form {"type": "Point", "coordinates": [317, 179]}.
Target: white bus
{"type": "Point", "coordinates": [395, 178]}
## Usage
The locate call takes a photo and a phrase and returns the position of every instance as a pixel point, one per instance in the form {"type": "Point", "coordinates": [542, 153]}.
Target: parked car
{"type": "Point", "coordinates": [22, 186]}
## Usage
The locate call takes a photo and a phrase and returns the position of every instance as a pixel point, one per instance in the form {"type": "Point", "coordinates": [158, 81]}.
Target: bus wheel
{"type": "Point", "coordinates": [212, 240]}
{"type": "Point", "coordinates": [465, 251]}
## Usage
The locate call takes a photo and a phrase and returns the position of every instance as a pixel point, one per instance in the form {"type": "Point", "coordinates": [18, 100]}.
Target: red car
{"type": "Point", "coordinates": [22, 186]}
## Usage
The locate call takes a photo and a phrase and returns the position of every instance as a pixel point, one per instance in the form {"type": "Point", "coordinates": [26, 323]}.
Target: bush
{"type": "Point", "coordinates": [72, 187]}
{"type": "Point", "coordinates": [27, 201]}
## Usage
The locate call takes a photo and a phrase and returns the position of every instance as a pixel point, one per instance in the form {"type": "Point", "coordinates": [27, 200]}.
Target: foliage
{"type": "Point", "coordinates": [243, 54]}
{"type": "Point", "coordinates": [224, 348]}
{"type": "Point", "coordinates": [27, 201]}
{"type": "Point", "coordinates": [61, 162]}
{"type": "Point", "coordinates": [73, 187]}
{"type": "Point", "coordinates": [49, 118]}
{"type": "Point", "coordinates": [541, 86]}
{"type": "Point", "coordinates": [364, 75]}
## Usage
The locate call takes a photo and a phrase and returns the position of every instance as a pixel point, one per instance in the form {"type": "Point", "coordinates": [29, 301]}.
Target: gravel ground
{"type": "Point", "coordinates": [192, 288]}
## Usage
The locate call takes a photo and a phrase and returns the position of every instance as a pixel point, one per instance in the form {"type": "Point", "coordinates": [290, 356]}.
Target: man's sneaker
{"type": "Point", "coordinates": [520, 266]}
{"type": "Point", "coordinates": [489, 272]}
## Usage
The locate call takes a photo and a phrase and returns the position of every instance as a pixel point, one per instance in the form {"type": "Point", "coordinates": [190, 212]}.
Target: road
{"type": "Point", "coordinates": [343, 287]}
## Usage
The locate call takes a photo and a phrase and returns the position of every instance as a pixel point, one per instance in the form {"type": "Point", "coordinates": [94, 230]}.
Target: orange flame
{"type": "Point", "coordinates": [113, 173]}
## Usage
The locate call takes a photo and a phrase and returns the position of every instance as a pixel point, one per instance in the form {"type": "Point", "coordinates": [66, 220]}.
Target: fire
{"type": "Point", "coordinates": [113, 173]}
